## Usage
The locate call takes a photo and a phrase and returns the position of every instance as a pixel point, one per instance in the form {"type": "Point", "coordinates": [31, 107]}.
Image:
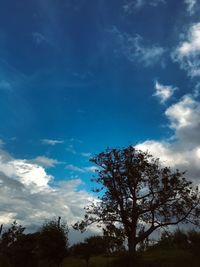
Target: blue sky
{"type": "Point", "coordinates": [79, 76]}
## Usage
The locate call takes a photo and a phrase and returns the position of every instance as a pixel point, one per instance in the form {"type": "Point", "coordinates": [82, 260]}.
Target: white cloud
{"type": "Point", "coordinates": [91, 169]}
{"type": "Point", "coordinates": [135, 49]}
{"type": "Point", "coordinates": [26, 194]}
{"type": "Point", "coordinates": [29, 174]}
{"type": "Point", "coordinates": [51, 142]}
{"type": "Point", "coordinates": [71, 149]}
{"type": "Point", "coordinates": [86, 154]}
{"type": "Point", "coordinates": [163, 92]}
{"type": "Point", "coordinates": [2, 143]}
{"type": "Point", "coordinates": [163, 150]}
{"type": "Point", "coordinates": [184, 115]}
{"type": "Point", "coordinates": [138, 4]}
{"type": "Point", "coordinates": [45, 161]}
{"type": "Point", "coordinates": [146, 54]}
{"type": "Point", "coordinates": [187, 54]}
{"type": "Point", "coordinates": [74, 168]}
{"type": "Point", "coordinates": [190, 6]}
{"type": "Point", "coordinates": [183, 150]}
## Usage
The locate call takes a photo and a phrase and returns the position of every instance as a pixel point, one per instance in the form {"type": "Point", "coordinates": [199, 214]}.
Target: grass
{"type": "Point", "coordinates": [99, 261]}
{"type": "Point", "coordinates": [157, 258]}
{"type": "Point", "coordinates": [152, 258]}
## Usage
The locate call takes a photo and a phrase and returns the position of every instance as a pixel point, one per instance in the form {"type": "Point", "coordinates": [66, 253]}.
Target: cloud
{"type": "Point", "coordinates": [4, 85]}
{"type": "Point", "coordinates": [28, 195]}
{"type": "Point", "coordinates": [131, 6]}
{"type": "Point", "coordinates": [163, 92]}
{"type": "Point", "coordinates": [183, 150]}
{"type": "Point", "coordinates": [45, 161]}
{"type": "Point", "coordinates": [190, 6]}
{"type": "Point", "coordinates": [51, 142]}
{"type": "Point", "coordinates": [29, 174]}
{"type": "Point", "coordinates": [71, 149]}
{"type": "Point", "coordinates": [91, 169]}
{"type": "Point", "coordinates": [135, 49]}
{"type": "Point", "coordinates": [187, 54]}
{"type": "Point", "coordinates": [74, 168]}
{"type": "Point", "coordinates": [184, 115]}
{"type": "Point", "coordinates": [2, 143]}
{"type": "Point", "coordinates": [86, 154]}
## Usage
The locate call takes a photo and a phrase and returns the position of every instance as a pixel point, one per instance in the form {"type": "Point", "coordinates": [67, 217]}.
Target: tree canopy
{"type": "Point", "coordinates": [137, 195]}
{"type": "Point", "coordinates": [92, 246]}
{"type": "Point", "coordinates": [53, 241]}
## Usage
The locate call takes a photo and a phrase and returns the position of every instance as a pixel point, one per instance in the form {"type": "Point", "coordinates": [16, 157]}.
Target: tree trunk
{"type": "Point", "coordinates": [87, 262]}
{"type": "Point", "coordinates": [132, 259]}
{"type": "Point", "coordinates": [131, 246]}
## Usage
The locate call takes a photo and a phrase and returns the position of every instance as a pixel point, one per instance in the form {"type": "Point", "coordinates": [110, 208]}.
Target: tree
{"type": "Point", "coordinates": [18, 248]}
{"type": "Point", "coordinates": [53, 242]}
{"type": "Point", "coordinates": [138, 196]}
{"type": "Point", "coordinates": [92, 246]}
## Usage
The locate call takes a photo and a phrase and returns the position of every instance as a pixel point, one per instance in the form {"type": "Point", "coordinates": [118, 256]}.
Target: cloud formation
{"type": "Point", "coordinates": [2, 143]}
{"type": "Point", "coordinates": [137, 4]}
{"type": "Point", "coordinates": [51, 142]}
{"type": "Point", "coordinates": [45, 161]}
{"type": "Point", "coordinates": [191, 4]}
{"type": "Point", "coordinates": [135, 49]}
{"type": "Point", "coordinates": [28, 195]}
{"type": "Point", "coordinates": [187, 54]}
{"type": "Point", "coordinates": [163, 92]}
{"type": "Point", "coordinates": [74, 168]}
{"type": "Point", "coordinates": [183, 150]}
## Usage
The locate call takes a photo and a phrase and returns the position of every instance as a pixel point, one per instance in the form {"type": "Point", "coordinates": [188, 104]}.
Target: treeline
{"type": "Point", "coordinates": [46, 247]}
{"type": "Point", "coordinates": [49, 246]}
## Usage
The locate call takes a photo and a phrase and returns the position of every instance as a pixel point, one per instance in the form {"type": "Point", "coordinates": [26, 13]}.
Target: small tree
{"type": "Point", "coordinates": [53, 242]}
{"type": "Point", "coordinates": [92, 246]}
{"type": "Point", "coordinates": [14, 247]}
{"type": "Point", "coordinates": [139, 196]}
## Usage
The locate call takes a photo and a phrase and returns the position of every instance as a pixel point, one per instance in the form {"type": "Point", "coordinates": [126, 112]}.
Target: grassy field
{"type": "Point", "coordinates": [94, 262]}
{"type": "Point", "coordinates": [160, 258]}
{"type": "Point", "coordinates": [155, 258]}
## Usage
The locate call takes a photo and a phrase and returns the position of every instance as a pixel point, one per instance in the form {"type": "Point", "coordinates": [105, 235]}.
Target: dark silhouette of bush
{"type": "Point", "coordinates": [92, 246]}
{"type": "Point", "coordinates": [52, 243]}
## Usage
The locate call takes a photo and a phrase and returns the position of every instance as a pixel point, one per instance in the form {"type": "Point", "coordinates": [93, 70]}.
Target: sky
{"type": "Point", "coordinates": [79, 76]}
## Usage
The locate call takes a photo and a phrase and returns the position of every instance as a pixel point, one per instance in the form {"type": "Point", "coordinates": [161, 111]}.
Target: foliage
{"type": "Point", "coordinates": [92, 246]}
{"type": "Point", "coordinates": [10, 244]}
{"type": "Point", "coordinates": [139, 196]}
{"type": "Point", "coordinates": [53, 242]}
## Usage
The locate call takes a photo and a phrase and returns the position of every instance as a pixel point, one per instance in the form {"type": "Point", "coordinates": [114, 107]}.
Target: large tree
{"type": "Point", "coordinates": [137, 196]}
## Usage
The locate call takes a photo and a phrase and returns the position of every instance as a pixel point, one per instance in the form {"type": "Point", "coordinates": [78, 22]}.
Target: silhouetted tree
{"type": "Point", "coordinates": [138, 196]}
{"type": "Point", "coordinates": [92, 246]}
{"type": "Point", "coordinates": [194, 242]}
{"type": "Point", "coordinates": [53, 242]}
{"type": "Point", "coordinates": [1, 228]}
{"type": "Point", "coordinates": [13, 246]}
{"type": "Point", "coordinates": [114, 240]}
